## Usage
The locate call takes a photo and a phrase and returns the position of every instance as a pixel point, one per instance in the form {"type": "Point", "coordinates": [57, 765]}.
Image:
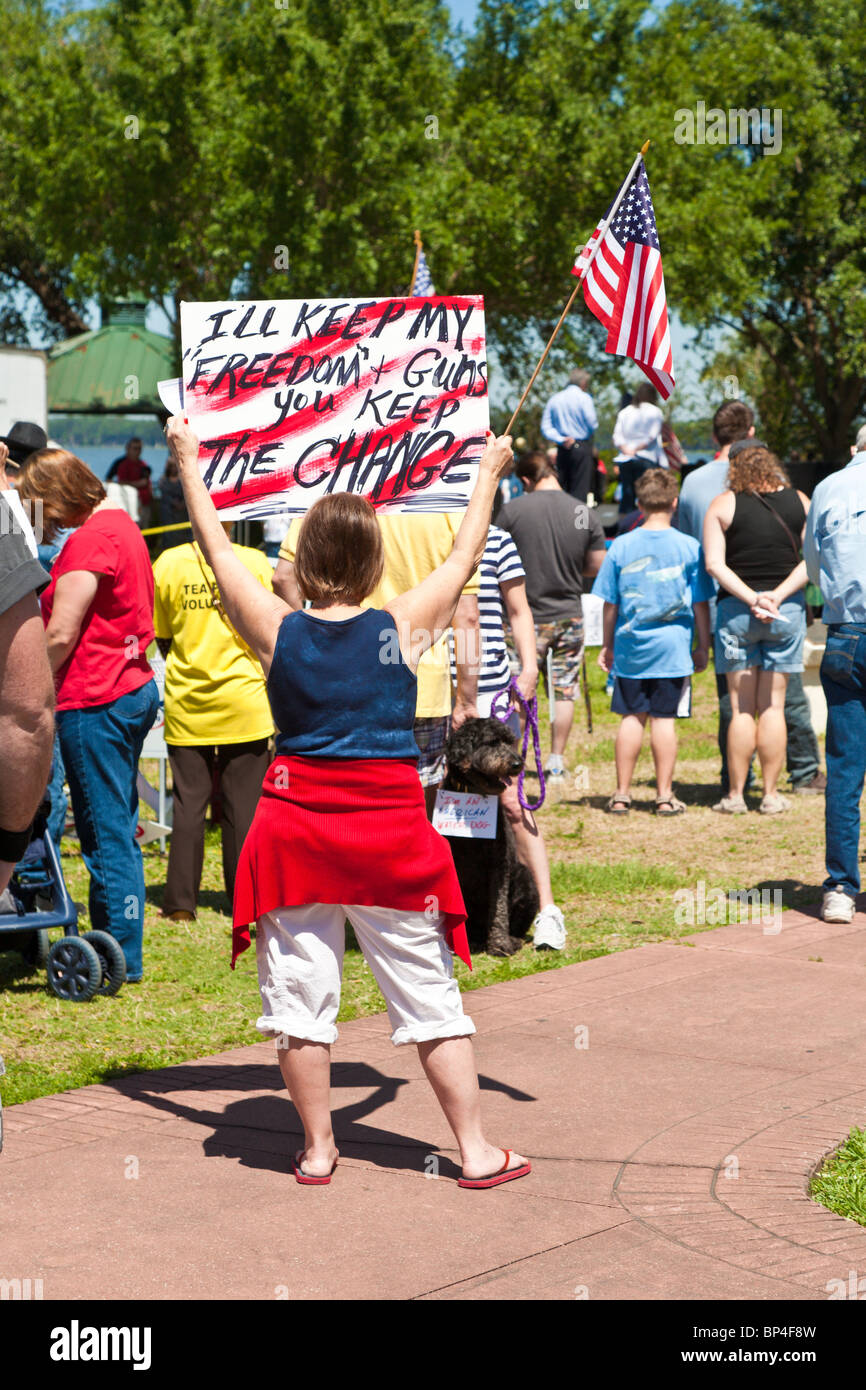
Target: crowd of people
{"type": "Point", "coordinates": [352, 659]}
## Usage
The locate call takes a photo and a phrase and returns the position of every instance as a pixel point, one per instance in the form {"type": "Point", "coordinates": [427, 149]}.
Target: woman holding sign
{"type": "Point", "coordinates": [341, 829]}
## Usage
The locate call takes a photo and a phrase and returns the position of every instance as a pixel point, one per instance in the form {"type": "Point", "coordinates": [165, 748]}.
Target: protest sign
{"type": "Point", "coordinates": [466, 815]}
{"type": "Point", "coordinates": [294, 399]}
{"type": "Point", "coordinates": [593, 620]}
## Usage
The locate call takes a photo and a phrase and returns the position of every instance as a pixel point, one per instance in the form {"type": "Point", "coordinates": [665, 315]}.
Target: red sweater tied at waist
{"type": "Point", "coordinates": [340, 830]}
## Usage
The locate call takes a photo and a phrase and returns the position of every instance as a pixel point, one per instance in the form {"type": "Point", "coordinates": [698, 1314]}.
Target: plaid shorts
{"type": "Point", "coordinates": [431, 735]}
{"type": "Point", "coordinates": [564, 640]}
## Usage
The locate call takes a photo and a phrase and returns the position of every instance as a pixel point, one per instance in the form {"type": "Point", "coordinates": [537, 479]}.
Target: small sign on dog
{"type": "Point", "coordinates": [466, 814]}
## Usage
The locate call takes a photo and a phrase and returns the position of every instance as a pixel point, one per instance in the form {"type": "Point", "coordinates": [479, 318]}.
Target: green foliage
{"type": "Point", "coordinates": [209, 148]}
{"type": "Point", "coordinates": [768, 244]}
{"type": "Point", "coordinates": [841, 1182]}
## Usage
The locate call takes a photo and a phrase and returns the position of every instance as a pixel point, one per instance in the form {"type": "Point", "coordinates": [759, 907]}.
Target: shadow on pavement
{"type": "Point", "coordinates": [260, 1130]}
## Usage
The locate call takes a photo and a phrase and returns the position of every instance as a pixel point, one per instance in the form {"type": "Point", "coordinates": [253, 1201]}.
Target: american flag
{"type": "Point", "coordinates": [423, 279]}
{"type": "Point", "coordinates": [625, 286]}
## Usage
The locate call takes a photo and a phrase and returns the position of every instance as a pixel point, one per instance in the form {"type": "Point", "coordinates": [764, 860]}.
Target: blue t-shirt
{"type": "Point", "coordinates": [655, 578]}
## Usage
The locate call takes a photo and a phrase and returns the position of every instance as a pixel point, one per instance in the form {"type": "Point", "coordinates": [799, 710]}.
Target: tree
{"type": "Point", "coordinates": [768, 242]}
{"type": "Point", "coordinates": [41, 166]}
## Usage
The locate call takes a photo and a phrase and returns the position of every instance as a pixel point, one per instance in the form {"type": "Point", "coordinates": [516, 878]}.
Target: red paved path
{"type": "Point", "coordinates": [671, 1154]}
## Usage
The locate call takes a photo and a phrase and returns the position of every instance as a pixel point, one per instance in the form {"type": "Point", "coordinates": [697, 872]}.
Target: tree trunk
{"type": "Point", "coordinates": [51, 295]}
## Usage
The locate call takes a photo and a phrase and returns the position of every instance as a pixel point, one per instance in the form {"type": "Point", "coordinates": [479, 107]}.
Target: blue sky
{"type": "Point", "coordinates": [463, 10]}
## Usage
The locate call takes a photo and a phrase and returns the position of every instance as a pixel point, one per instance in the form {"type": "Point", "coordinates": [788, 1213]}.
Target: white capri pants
{"type": "Point", "coordinates": [299, 954]}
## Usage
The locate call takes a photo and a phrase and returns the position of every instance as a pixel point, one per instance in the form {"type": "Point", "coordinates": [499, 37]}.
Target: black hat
{"type": "Point", "coordinates": [24, 439]}
{"type": "Point", "coordinates": [740, 444]}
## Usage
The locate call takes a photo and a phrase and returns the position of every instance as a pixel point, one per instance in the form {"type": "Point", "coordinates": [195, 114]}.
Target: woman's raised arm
{"type": "Point", "coordinates": [253, 610]}
{"type": "Point", "coordinates": [425, 612]}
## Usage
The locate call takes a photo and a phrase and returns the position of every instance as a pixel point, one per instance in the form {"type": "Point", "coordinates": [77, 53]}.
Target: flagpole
{"type": "Point", "coordinates": [580, 279]}
{"type": "Point", "coordinates": [418, 245]}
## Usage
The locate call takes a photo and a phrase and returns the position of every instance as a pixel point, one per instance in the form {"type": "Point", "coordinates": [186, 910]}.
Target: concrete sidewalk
{"type": "Point", "coordinates": [674, 1099]}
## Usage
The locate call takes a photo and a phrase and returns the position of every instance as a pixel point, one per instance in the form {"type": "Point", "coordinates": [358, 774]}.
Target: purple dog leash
{"type": "Point", "coordinates": [530, 711]}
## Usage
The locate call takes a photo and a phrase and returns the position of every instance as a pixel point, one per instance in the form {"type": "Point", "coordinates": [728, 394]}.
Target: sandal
{"type": "Point", "coordinates": [621, 800]}
{"type": "Point", "coordinates": [308, 1179]}
{"type": "Point", "coordinates": [677, 808]}
{"type": "Point", "coordinates": [503, 1174]}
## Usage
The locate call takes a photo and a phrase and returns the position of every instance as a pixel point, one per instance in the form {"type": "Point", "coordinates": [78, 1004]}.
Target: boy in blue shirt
{"type": "Point", "coordinates": [655, 592]}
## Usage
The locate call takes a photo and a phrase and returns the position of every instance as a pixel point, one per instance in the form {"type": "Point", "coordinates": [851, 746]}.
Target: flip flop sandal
{"type": "Point", "coordinates": [307, 1178]}
{"type": "Point", "coordinates": [619, 805]}
{"type": "Point", "coordinates": [503, 1174]}
{"type": "Point", "coordinates": [677, 808]}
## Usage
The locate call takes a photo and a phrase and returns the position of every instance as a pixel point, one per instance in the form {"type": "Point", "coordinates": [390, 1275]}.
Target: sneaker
{"type": "Point", "coordinates": [731, 806]}
{"type": "Point", "coordinates": [549, 929]}
{"type": "Point", "coordinates": [816, 786]}
{"type": "Point", "coordinates": [774, 805]}
{"type": "Point", "coordinates": [837, 906]}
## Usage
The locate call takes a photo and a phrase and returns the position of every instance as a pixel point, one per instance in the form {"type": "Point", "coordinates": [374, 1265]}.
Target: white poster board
{"type": "Point", "coordinates": [593, 616]}
{"type": "Point", "coordinates": [465, 815]}
{"type": "Point", "coordinates": [295, 399]}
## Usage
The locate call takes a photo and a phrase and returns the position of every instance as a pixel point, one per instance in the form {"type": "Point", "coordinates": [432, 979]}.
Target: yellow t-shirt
{"type": "Point", "coordinates": [415, 545]}
{"type": "Point", "coordinates": [214, 688]}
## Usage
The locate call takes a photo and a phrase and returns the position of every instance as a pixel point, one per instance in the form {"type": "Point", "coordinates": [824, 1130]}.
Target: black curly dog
{"type": "Point", "coordinates": [499, 891]}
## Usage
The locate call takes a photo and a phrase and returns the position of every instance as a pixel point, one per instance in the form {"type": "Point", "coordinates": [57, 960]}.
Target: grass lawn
{"type": "Point", "coordinates": [841, 1183]}
{"type": "Point", "coordinates": [615, 879]}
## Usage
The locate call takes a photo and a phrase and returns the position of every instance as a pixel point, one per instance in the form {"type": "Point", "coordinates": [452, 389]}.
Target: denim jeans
{"type": "Point", "coordinates": [101, 748]}
{"type": "Point", "coordinates": [843, 676]}
{"type": "Point", "coordinates": [59, 804]}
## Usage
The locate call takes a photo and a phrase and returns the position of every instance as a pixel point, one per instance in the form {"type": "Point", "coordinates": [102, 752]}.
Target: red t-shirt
{"type": "Point", "coordinates": [109, 659]}
{"type": "Point", "coordinates": [132, 471]}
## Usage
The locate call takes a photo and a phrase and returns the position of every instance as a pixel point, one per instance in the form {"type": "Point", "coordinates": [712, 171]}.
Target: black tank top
{"type": "Point", "coordinates": [757, 547]}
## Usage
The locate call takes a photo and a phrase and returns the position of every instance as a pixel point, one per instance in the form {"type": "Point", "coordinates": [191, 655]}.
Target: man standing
{"type": "Point", "coordinates": [733, 429]}
{"type": "Point", "coordinates": [561, 543]}
{"type": "Point", "coordinates": [569, 420]}
{"type": "Point", "coordinates": [833, 551]}
{"type": "Point", "coordinates": [131, 470]}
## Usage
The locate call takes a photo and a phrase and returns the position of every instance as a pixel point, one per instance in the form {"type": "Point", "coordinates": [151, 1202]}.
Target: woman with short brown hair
{"type": "Point", "coordinates": [98, 612]}
{"type": "Point", "coordinates": [752, 538]}
{"type": "Point", "coordinates": [341, 829]}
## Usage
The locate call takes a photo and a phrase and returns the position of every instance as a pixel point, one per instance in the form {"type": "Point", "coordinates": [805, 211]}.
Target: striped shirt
{"type": "Point", "coordinates": [499, 563]}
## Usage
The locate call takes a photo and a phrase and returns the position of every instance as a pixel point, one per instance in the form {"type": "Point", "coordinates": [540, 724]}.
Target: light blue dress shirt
{"type": "Point", "coordinates": [570, 414]}
{"type": "Point", "coordinates": [699, 489]}
{"type": "Point", "coordinates": [834, 546]}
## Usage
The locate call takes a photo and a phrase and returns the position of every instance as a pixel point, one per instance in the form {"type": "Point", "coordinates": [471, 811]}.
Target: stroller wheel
{"type": "Point", "coordinates": [74, 969]}
{"type": "Point", "coordinates": [111, 959]}
{"type": "Point", "coordinates": [35, 952]}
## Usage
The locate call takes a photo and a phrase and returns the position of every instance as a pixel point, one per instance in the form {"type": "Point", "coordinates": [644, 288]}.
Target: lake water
{"type": "Point", "coordinates": [100, 457]}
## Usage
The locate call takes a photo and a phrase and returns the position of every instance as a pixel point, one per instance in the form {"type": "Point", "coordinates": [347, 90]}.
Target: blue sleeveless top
{"type": "Point", "coordinates": [341, 689]}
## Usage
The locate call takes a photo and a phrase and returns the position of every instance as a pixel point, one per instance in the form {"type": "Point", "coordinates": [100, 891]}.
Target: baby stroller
{"type": "Point", "coordinates": [37, 899]}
